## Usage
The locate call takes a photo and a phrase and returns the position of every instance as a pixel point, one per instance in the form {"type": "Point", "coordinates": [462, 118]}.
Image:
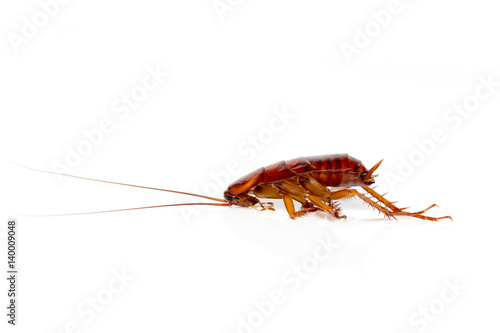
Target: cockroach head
{"type": "Point", "coordinates": [368, 177]}
{"type": "Point", "coordinates": [242, 199]}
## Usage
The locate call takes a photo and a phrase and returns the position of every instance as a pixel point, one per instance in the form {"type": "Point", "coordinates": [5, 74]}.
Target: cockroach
{"type": "Point", "coordinates": [317, 183]}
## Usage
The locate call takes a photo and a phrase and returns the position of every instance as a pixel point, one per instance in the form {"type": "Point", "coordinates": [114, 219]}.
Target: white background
{"type": "Point", "coordinates": [228, 75]}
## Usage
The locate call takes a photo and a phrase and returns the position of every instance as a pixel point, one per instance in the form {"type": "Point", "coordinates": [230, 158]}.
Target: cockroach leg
{"type": "Point", "coordinates": [349, 193]}
{"type": "Point", "coordinates": [314, 187]}
{"type": "Point", "coordinates": [420, 216]}
{"type": "Point", "coordinates": [332, 208]}
{"type": "Point", "coordinates": [310, 193]}
{"type": "Point", "coordinates": [400, 211]}
{"type": "Point", "coordinates": [390, 210]}
{"type": "Point", "coordinates": [423, 211]}
{"type": "Point", "coordinates": [307, 207]}
{"type": "Point", "coordinates": [290, 208]}
{"type": "Point", "coordinates": [267, 206]}
{"type": "Point", "coordinates": [381, 198]}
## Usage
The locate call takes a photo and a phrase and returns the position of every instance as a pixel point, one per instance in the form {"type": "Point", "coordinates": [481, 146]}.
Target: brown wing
{"type": "Point", "coordinates": [329, 170]}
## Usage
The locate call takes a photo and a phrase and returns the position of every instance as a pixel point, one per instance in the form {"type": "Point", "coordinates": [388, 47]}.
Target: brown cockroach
{"type": "Point", "coordinates": [316, 182]}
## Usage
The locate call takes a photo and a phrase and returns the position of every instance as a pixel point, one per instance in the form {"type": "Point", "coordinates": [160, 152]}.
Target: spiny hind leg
{"type": "Point", "coordinates": [420, 215]}
{"type": "Point", "coordinates": [381, 199]}
{"type": "Point", "coordinates": [350, 193]}
{"type": "Point", "coordinates": [383, 205]}
{"type": "Point", "coordinates": [401, 211]}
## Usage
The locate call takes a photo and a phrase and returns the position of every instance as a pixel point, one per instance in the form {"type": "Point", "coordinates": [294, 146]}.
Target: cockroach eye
{"type": "Point", "coordinates": [230, 198]}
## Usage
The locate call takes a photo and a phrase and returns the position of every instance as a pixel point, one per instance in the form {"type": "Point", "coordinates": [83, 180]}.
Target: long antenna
{"type": "Point", "coordinates": [105, 181]}
{"type": "Point", "coordinates": [136, 208]}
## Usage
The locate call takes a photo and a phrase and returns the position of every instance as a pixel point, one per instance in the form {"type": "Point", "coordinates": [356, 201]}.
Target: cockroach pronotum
{"type": "Point", "coordinates": [316, 182]}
